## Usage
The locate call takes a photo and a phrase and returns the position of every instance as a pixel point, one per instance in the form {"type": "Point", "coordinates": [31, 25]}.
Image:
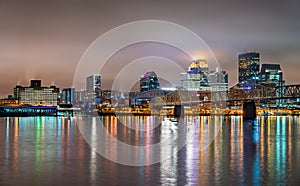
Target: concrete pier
{"type": "Point", "coordinates": [178, 111]}
{"type": "Point", "coordinates": [249, 110]}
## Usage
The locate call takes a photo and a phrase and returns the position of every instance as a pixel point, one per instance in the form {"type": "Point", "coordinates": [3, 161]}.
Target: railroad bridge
{"type": "Point", "coordinates": [235, 94]}
{"type": "Point", "coordinates": [276, 96]}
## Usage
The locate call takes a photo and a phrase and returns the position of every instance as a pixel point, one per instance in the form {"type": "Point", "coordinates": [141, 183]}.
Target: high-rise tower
{"type": "Point", "coordinates": [248, 69]}
{"type": "Point", "coordinates": [149, 81]}
{"type": "Point", "coordinates": [93, 85]}
{"type": "Point", "coordinates": [196, 77]}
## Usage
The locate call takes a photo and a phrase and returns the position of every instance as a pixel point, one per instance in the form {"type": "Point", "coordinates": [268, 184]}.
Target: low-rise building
{"type": "Point", "coordinates": [35, 94]}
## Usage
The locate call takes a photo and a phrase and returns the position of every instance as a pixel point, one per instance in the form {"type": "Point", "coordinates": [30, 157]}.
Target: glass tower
{"type": "Point", "coordinates": [271, 75]}
{"type": "Point", "coordinates": [196, 77]}
{"type": "Point", "coordinates": [149, 81]}
{"type": "Point", "coordinates": [93, 86]}
{"type": "Point", "coordinates": [248, 69]}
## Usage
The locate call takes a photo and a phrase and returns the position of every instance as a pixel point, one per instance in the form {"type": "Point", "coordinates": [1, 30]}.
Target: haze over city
{"type": "Point", "coordinates": [45, 39]}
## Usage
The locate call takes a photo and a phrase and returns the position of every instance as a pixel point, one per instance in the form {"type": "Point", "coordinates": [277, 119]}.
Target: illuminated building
{"type": "Point", "coordinates": [218, 80]}
{"type": "Point", "coordinates": [93, 86]}
{"type": "Point", "coordinates": [272, 75]}
{"type": "Point", "coordinates": [67, 96]}
{"type": "Point", "coordinates": [9, 101]}
{"type": "Point", "coordinates": [149, 81]}
{"type": "Point", "coordinates": [248, 69]}
{"type": "Point", "coordinates": [107, 94]}
{"type": "Point", "coordinates": [152, 93]}
{"type": "Point", "coordinates": [196, 77]}
{"type": "Point", "coordinates": [80, 96]}
{"type": "Point", "coordinates": [35, 94]}
{"type": "Point", "coordinates": [93, 82]}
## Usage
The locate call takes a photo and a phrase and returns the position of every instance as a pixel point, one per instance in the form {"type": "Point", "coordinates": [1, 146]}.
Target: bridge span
{"type": "Point", "coordinates": [234, 96]}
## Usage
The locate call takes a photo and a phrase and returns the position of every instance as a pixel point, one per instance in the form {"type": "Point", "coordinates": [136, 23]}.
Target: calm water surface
{"type": "Point", "coordinates": [52, 151]}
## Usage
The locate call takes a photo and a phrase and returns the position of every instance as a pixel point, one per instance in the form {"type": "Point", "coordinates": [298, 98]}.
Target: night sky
{"type": "Point", "coordinates": [46, 39]}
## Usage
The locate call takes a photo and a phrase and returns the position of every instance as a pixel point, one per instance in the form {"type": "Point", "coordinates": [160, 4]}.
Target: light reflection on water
{"type": "Point", "coordinates": [49, 150]}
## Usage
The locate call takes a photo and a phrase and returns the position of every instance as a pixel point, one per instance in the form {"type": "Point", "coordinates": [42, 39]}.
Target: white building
{"type": "Point", "coordinates": [196, 77]}
{"type": "Point", "coordinates": [37, 95]}
{"type": "Point", "coordinates": [93, 85]}
{"type": "Point", "coordinates": [93, 82]}
{"type": "Point", "coordinates": [218, 80]}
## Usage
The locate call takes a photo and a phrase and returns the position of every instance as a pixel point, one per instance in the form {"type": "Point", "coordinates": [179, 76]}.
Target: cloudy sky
{"type": "Point", "coordinates": [46, 39]}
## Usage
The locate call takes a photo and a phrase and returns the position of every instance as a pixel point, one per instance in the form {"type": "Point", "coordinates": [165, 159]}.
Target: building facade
{"type": "Point", "coordinates": [248, 69]}
{"type": "Point", "coordinates": [93, 86]}
{"type": "Point", "coordinates": [35, 94]}
{"type": "Point", "coordinates": [67, 96]}
{"type": "Point", "coordinates": [152, 93]}
{"type": "Point", "coordinates": [149, 81]}
{"type": "Point", "coordinates": [218, 80]}
{"type": "Point", "coordinates": [196, 77]}
{"type": "Point", "coordinates": [80, 96]}
{"type": "Point", "coordinates": [271, 75]}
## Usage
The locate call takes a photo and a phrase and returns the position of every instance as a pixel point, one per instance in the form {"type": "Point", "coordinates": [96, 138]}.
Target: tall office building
{"type": "Point", "coordinates": [93, 86]}
{"type": "Point", "coordinates": [271, 74]}
{"type": "Point", "coordinates": [218, 80]}
{"type": "Point", "coordinates": [93, 82]}
{"type": "Point", "coordinates": [149, 81]}
{"type": "Point", "coordinates": [67, 96]}
{"type": "Point", "coordinates": [196, 77]}
{"type": "Point", "coordinates": [248, 69]}
{"type": "Point", "coordinates": [35, 94]}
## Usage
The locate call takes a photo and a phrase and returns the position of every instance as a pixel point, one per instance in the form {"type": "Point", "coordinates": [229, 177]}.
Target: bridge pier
{"type": "Point", "coordinates": [249, 110]}
{"type": "Point", "coordinates": [178, 110]}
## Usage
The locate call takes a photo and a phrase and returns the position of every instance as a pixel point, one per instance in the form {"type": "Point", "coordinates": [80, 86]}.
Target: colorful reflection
{"type": "Point", "coordinates": [50, 150]}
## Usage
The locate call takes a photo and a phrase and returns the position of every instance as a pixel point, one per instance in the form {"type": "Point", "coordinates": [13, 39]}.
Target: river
{"type": "Point", "coordinates": [202, 150]}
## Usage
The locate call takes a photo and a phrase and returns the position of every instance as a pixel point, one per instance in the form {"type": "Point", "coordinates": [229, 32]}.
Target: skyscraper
{"type": "Point", "coordinates": [93, 85]}
{"type": "Point", "coordinates": [248, 69]}
{"type": "Point", "coordinates": [67, 96]}
{"type": "Point", "coordinates": [218, 80]}
{"type": "Point", "coordinates": [93, 82]}
{"type": "Point", "coordinates": [149, 81]}
{"type": "Point", "coordinates": [196, 77]}
{"type": "Point", "coordinates": [271, 74]}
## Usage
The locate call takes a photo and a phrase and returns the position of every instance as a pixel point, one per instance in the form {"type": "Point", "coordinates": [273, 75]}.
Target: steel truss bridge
{"type": "Point", "coordinates": [234, 96]}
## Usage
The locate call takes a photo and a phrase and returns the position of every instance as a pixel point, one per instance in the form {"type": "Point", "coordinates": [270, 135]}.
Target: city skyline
{"type": "Point", "coordinates": [93, 81]}
{"type": "Point", "coordinates": [89, 86]}
{"type": "Point", "coordinates": [45, 40]}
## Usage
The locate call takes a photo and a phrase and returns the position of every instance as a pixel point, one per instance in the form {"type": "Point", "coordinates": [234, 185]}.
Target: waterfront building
{"type": "Point", "coordinates": [89, 96]}
{"type": "Point", "coordinates": [107, 94]}
{"type": "Point", "coordinates": [196, 77]}
{"type": "Point", "coordinates": [152, 93]}
{"type": "Point", "coordinates": [149, 81]}
{"type": "Point", "coordinates": [93, 86]}
{"type": "Point", "coordinates": [80, 96]}
{"type": "Point", "coordinates": [271, 75]}
{"type": "Point", "coordinates": [67, 96]}
{"type": "Point", "coordinates": [9, 101]}
{"type": "Point", "coordinates": [35, 94]}
{"type": "Point", "coordinates": [248, 69]}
